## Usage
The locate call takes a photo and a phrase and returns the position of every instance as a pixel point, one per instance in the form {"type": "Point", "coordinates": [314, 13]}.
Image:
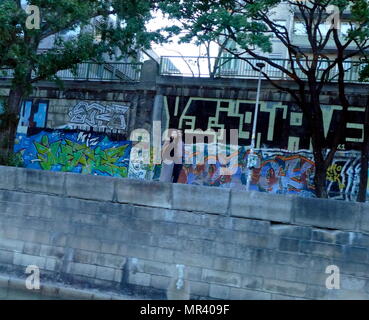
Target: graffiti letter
{"type": "Point", "coordinates": [333, 281]}
{"type": "Point", "coordinates": [33, 281]}
{"type": "Point", "coordinates": [141, 151]}
{"type": "Point", "coordinates": [33, 20]}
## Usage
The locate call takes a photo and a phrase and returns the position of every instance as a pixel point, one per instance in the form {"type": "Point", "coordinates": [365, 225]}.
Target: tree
{"type": "Point", "coordinates": [121, 24]}
{"type": "Point", "coordinates": [251, 25]}
{"type": "Point", "coordinates": [182, 11]}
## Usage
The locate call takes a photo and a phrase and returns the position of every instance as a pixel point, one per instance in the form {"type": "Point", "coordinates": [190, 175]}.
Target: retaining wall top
{"type": "Point", "coordinates": [321, 213]}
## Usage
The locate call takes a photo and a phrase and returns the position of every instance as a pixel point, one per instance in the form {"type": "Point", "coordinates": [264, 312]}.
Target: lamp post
{"type": "Point", "coordinates": [252, 158]}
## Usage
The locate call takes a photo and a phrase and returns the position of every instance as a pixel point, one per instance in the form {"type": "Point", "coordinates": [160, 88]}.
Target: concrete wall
{"type": "Point", "coordinates": [130, 236]}
{"type": "Point", "coordinates": [140, 96]}
{"type": "Point", "coordinates": [246, 89]}
{"type": "Point", "coordinates": [62, 101]}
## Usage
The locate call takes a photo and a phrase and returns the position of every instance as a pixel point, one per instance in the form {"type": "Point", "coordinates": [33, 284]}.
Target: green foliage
{"type": "Point", "coordinates": [211, 20]}
{"type": "Point", "coordinates": [18, 45]}
{"type": "Point", "coordinates": [10, 159]}
{"type": "Point", "coordinates": [8, 120]}
{"type": "Point", "coordinates": [247, 22]}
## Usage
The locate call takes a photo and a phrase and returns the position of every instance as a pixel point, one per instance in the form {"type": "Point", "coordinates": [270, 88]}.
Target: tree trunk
{"type": "Point", "coordinates": [364, 160]}
{"type": "Point", "coordinates": [12, 110]}
{"type": "Point", "coordinates": [317, 140]}
{"type": "Point", "coordinates": [320, 177]}
{"type": "Point", "coordinates": [320, 180]}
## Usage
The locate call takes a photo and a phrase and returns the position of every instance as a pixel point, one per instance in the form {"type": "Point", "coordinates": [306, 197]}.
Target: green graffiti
{"type": "Point", "coordinates": [71, 155]}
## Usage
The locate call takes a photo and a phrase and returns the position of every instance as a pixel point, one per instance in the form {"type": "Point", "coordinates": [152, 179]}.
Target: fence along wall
{"type": "Point", "coordinates": [103, 232]}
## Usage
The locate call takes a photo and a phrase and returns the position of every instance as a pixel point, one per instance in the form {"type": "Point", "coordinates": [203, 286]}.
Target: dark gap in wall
{"type": "Point", "coordinates": [273, 223]}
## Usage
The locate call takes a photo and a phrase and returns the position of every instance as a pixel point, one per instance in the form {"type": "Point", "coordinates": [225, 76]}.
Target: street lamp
{"type": "Point", "coordinates": [253, 158]}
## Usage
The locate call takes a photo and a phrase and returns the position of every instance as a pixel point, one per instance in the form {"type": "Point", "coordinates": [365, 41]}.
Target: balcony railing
{"type": "Point", "coordinates": [89, 71]}
{"type": "Point", "coordinates": [204, 67]}
{"type": "Point", "coordinates": [302, 41]}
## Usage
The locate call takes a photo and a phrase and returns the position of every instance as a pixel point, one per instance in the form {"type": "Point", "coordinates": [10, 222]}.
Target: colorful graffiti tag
{"type": "Point", "coordinates": [78, 152]}
{"type": "Point", "coordinates": [285, 174]}
{"type": "Point", "coordinates": [279, 172]}
{"type": "Point", "coordinates": [343, 176]}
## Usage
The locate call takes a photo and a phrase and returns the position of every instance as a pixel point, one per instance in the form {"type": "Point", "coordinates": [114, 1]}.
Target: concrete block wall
{"type": "Point", "coordinates": [139, 98]}
{"type": "Point", "coordinates": [130, 236]}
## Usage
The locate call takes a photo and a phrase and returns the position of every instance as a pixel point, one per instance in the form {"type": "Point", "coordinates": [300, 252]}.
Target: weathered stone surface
{"type": "Point", "coordinates": [364, 222]}
{"type": "Point", "coordinates": [140, 279]}
{"type": "Point", "coordinates": [261, 206]}
{"type": "Point", "coordinates": [8, 178]}
{"type": "Point", "coordinates": [90, 187]}
{"type": "Point", "coordinates": [204, 199]}
{"type": "Point", "coordinates": [107, 233]}
{"type": "Point", "coordinates": [326, 213]}
{"type": "Point", "coordinates": [154, 194]}
{"type": "Point", "coordinates": [40, 181]}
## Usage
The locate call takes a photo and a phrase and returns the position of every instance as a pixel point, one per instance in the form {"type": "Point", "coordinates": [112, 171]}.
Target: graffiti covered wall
{"type": "Point", "coordinates": [75, 115]}
{"type": "Point", "coordinates": [280, 125]}
{"type": "Point", "coordinates": [34, 113]}
{"type": "Point", "coordinates": [72, 151]}
{"type": "Point", "coordinates": [279, 171]}
{"type": "Point", "coordinates": [140, 171]}
{"type": "Point", "coordinates": [282, 133]}
{"type": "Point", "coordinates": [283, 143]}
{"type": "Point", "coordinates": [85, 115]}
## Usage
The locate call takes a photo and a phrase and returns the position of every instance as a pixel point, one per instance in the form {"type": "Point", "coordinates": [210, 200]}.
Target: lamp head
{"type": "Point", "coordinates": [260, 65]}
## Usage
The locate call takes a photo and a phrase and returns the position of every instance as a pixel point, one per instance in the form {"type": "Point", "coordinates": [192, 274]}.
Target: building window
{"type": "Point", "coordinates": [345, 28]}
{"type": "Point", "coordinates": [323, 28]}
{"type": "Point", "coordinates": [322, 65]}
{"type": "Point", "coordinates": [281, 25]}
{"type": "Point", "coordinates": [299, 29]}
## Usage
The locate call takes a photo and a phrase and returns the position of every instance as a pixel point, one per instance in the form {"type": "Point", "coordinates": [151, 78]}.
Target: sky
{"type": "Point", "coordinates": [170, 49]}
{"type": "Point", "coordinates": [176, 49]}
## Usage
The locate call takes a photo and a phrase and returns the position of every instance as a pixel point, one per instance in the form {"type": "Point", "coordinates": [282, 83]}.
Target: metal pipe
{"type": "Point", "coordinates": [251, 156]}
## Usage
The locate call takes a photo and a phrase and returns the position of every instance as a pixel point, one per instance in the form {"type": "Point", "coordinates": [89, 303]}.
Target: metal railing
{"type": "Point", "coordinates": [204, 67]}
{"type": "Point", "coordinates": [90, 71]}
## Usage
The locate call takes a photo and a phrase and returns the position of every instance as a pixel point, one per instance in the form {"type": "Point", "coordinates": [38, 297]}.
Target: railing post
{"type": "Point", "coordinates": [352, 71]}
{"type": "Point", "coordinates": [161, 66]}
{"type": "Point", "coordinates": [139, 72]}
{"type": "Point", "coordinates": [114, 72]}
{"type": "Point", "coordinates": [88, 71]}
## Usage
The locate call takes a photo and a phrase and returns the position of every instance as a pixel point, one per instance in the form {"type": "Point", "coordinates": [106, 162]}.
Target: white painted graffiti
{"type": "Point", "coordinates": [343, 176]}
{"type": "Point", "coordinates": [87, 139]}
{"type": "Point", "coordinates": [95, 115]}
{"type": "Point", "coordinates": [137, 171]}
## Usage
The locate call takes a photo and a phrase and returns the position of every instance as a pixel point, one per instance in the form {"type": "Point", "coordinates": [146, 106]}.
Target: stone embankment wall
{"type": "Point", "coordinates": [136, 236]}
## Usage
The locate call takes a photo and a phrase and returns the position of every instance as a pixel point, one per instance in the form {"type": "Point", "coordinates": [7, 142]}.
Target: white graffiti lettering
{"type": "Point", "coordinates": [98, 116]}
